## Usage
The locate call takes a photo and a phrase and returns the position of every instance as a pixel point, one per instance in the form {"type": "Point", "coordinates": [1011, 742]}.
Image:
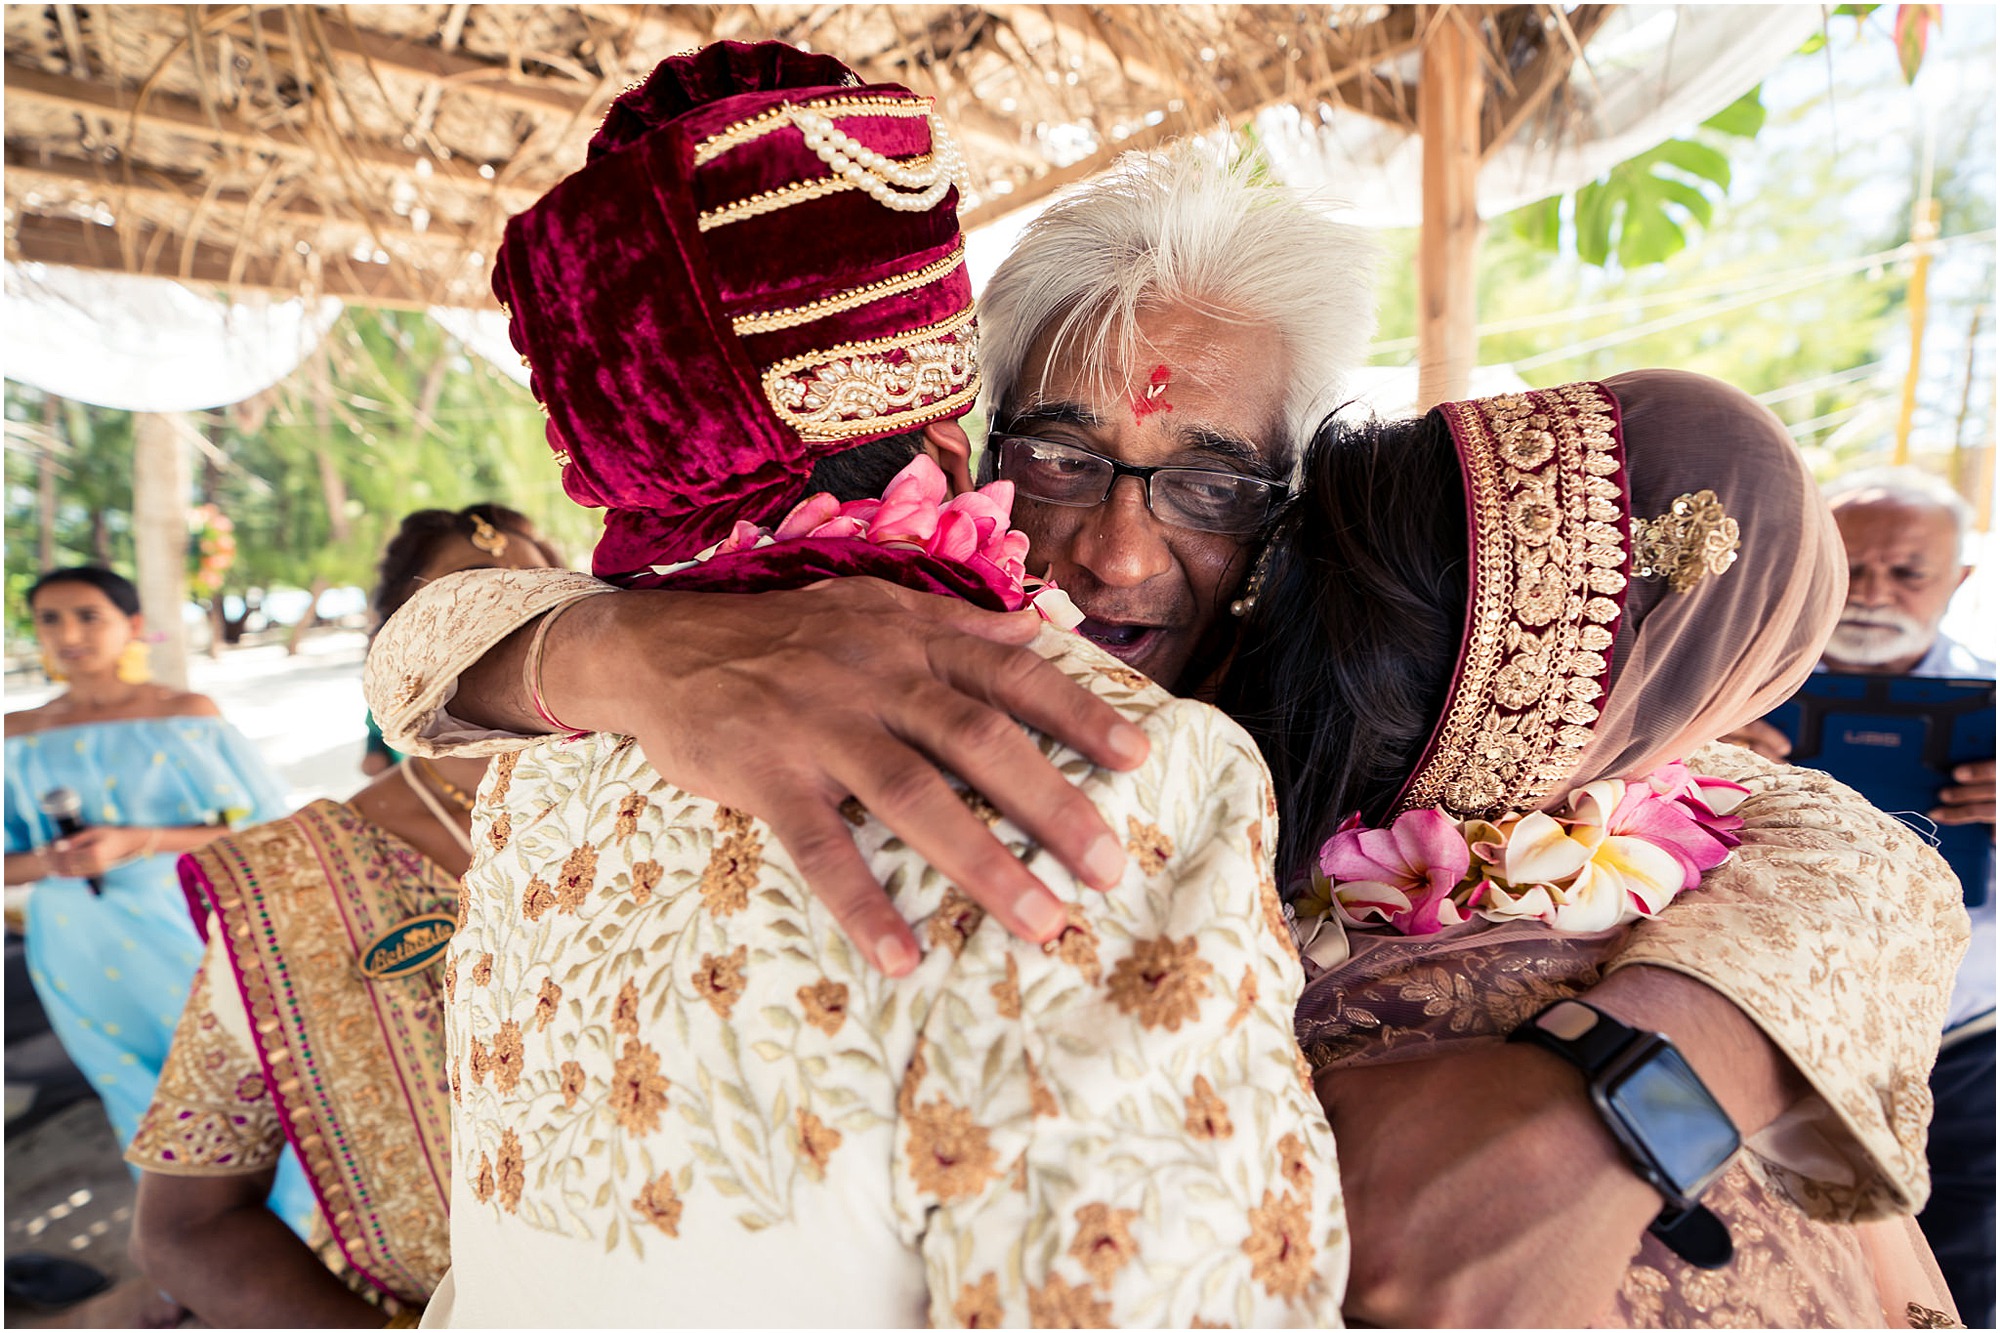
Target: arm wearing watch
{"type": "Point", "coordinates": [1836, 931]}
{"type": "Point", "coordinates": [1668, 1124]}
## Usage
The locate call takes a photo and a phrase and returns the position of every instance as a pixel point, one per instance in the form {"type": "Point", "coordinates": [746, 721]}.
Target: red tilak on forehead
{"type": "Point", "coordinates": [1154, 397]}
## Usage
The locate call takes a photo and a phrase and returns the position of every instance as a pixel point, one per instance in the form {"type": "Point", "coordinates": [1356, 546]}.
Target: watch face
{"type": "Point", "coordinates": [1689, 1136]}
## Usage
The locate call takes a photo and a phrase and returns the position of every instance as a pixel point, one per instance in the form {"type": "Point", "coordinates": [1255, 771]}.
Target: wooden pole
{"type": "Point", "coordinates": [1450, 90]}
{"type": "Point", "coordinates": [161, 476]}
{"type": "Point", "coordinates": [1922, 234]}
{"type": "Point", "coordinates": [45, 481]}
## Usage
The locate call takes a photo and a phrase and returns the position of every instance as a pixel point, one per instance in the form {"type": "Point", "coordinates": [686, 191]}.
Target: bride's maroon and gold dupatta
{"type": "Point", "coordinates": [355, 1062]}
{"type": "Point", "coordinates": [1651, 567]}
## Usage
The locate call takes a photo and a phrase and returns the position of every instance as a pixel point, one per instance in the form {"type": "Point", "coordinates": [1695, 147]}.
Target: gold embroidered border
{"type": "Point", "coordinates": [772, 321]}
{"type": "Point", "coordinates": [856, 389]}
{"type": "Point", "coordinates": [784, 196]}
{"type": "Point", "coordinates": [1547, 522]}
{"type": "Point", "coordinates": [748, 131]}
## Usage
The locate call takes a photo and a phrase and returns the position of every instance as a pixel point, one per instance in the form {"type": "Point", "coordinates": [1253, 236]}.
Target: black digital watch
{"type": "Point", "coordinates": [1669, 1125]}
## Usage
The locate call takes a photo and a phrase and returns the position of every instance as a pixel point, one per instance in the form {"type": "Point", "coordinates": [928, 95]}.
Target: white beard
{"type": "Point", "coordinates": [1876, 638]}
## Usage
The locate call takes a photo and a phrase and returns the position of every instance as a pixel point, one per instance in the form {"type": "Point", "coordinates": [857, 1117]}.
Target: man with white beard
{"type": "Point", "coordinates": [1905, 532]}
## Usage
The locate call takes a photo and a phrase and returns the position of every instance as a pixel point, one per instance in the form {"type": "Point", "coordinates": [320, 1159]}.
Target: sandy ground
{"type": "Point", "coordinates": [67, 1191]}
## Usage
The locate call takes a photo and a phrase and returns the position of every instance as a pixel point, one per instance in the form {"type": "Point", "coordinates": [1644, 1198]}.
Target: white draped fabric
{"type": "Point", "coordinates": [151, 344]}
{"type": "Point", "coordinates": [483, 333]}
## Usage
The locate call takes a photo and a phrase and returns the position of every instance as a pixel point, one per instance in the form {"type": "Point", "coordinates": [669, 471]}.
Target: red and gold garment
{"type": "Point", "coordinates": [285, 1040]}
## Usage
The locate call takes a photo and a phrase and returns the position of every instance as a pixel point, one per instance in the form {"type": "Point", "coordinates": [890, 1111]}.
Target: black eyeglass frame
{"type": "Point", "coordinates": [1274, 491]}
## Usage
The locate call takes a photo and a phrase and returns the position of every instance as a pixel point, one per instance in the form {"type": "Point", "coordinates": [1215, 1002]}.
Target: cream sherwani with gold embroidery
{"type": "Point", "coordinates": [682, 1098]}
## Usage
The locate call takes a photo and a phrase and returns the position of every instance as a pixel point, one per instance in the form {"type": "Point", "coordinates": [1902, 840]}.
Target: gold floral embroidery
{"type": "Point", "coordinates": [982, 809]}
{"type": "Point", "coordinates": [1041, 1099]}
{"type": "Point", "coordinates": [1294, 1164]}
{"type": "Point", "coordinates": [1548, 589]}
{"type": "Point", "coordinates": [953, 922]}
{"type": "Point", "coordinates": [482, 1184]}
{"type": "Point", "coordinates": [1246, 998]}
{"type": "Point", "coordinates": [884, 384]}
{"type": "Point", "coordinates": [1280, 1246]}
{"type": "Point", "coordinates": [1150, 848]}
{"type": "Point", "coordinates": [719, 980]}
{"type": "Point", "coordinates": [572, 1082]}
{"type": "Point", "coordinates": [627, 823]}
{"type": "Point", "coordinates": [500, 830]}
{"type": "Point", "coordinates": [538, 899]}
{"type": "Point", "coordinates": [1161, 982]}
{"type": "Point", "coordinates": [1006, 992]}
{"type": "Point", "coordinates": [1922, 1316]}
{"type": "Point", "coordinates": [508, 1170]}
{"type": "Point", "coordinates": [978, 1305]}
{"type": "Point", "coordinates": [645, 879]}
{"type": "Point", "coordinates": [732, 867]}
{"type": "Point", "coordinates": [546, 1000]}
{"type": "Point", "coordinates": [1056, 1304]}
{"type": "Point", "coordinates": [625, 1010]}
{"type": "Point", "coordinates": [506, 1062]}
{"type": "Point", "coordinates": [212, 1113]}
{"type": "Point", "coordinates": [482, 971]}
{"type": "Point", "coordinates": [951, 1155]}
{"type": "Point", "coordinates": [638, 1088]}
{"type": "Point", "coordinates": [816, 1142]}
{"type": "Point", "coordinates": [1694, 537]}
{"type": "Point", "coordinates": [854, 298]}
{"type": "Point", "coordinates": [578, 877]}
{"type": "Point", "coordinates": [480, 1062]}
{"type": "Point", "coordinates": [1103, 1243]}
{"type": "Point", "coordinates": [501, 777]}
{"type": "Point", "coordinates": [660, 1203]}
{"type": "Point", "coordinates": [449, 979]}
{"type": "Point", "coordinates": [1207, 1114]}
{"type": "Point", "coordinates": [825, 1004]}
{"type": "Point", "coordinates": [1077, 944]}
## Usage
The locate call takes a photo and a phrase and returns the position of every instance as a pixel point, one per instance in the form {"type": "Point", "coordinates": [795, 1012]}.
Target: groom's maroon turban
{"type": "Point", "coordinates": [759, 265]}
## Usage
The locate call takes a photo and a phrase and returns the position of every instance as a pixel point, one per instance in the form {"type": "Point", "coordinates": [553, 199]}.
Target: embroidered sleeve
{"type": "Point", "coordinates": [414, 665]}
{"type": "Point", "coordinates": [212, 1112]}
{"type": "Point", "coordinates": [1838, 930]}
{"type": "Point", "coordinates": [1126, 1135]}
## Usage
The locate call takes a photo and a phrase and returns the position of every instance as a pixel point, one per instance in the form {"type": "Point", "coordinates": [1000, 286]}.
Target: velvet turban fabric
{"type": "Point", "coordinates": [712, 303]}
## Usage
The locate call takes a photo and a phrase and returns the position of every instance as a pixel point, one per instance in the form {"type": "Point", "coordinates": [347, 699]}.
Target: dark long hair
{"type": "Point", "coordinates": [418, 539]}
{"type": "Point", "coordinates": [113, 585]}
{"type": "Point", "coordinates": [1347, 656]}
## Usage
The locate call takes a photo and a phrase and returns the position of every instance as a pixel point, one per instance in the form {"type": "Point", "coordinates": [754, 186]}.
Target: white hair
{"type": "Point", "coordinates": [1908, 486]}
{"type": "Point", "coordinates": [1184, 227]}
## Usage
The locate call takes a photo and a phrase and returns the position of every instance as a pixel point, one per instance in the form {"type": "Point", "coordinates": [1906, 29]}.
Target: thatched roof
{"type": "Point", "coordinates": [374, 151]}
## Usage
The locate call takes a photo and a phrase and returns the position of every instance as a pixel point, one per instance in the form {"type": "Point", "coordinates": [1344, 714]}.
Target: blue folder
{"type": "Point", "coordinates": [1895, 739]}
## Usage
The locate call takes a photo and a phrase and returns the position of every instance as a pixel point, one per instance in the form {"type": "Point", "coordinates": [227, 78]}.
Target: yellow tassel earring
{"type": "Point", "coordinates": [135, 664]}
{"type": "Point", "coordinates": [50, 669]}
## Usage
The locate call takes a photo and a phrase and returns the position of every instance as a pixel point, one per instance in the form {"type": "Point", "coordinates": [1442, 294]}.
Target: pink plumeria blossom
{"type": "Point", "coordinates": [1614, 852]}
{"type": "Point", "coordinates": [1404, 874]}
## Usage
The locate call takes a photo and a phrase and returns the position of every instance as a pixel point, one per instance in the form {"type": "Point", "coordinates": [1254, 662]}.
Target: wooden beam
{"type": "Point", "coordinates": [1543, 76]}
{"type": "Point", "coordinates": [177, 115]}
{"type": "Point", "coordinates": [1450, 92]}
{"type": "Point", "coordinates": [161, 480]}
{"type": "Point", "coordinates": [79, 244]}
{"type": "Point", "coordinates": [164, 189]}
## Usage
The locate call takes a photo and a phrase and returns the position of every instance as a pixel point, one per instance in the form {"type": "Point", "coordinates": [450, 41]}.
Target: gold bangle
{"type": "Point", "coordinates": [531, 670]}
{"type": "Point", "coordinates": [405, 1318]}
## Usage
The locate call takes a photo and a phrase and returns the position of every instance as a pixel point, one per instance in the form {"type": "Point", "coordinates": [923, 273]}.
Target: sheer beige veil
{"type": "Point", "coordinates": [1690, 666]}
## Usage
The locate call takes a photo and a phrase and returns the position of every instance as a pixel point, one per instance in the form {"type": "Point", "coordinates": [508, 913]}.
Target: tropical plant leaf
{"type": "Point", "coordinates": [1913, 35]}
{"type": "Point", "coordinates": [1744, 116]}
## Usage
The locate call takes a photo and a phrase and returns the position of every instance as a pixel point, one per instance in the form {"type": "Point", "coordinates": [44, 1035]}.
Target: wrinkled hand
{"type": "Point", "coordinates": [1482, 1191]}
{"type": "Point", "coordinates": [1761, 738]}
{"type": "Point", "coordinates": [1971, 801]}
{"type": "Point", "coordinates": [95, 850]}
{"type": "Point", "coordinates": [784, 704]}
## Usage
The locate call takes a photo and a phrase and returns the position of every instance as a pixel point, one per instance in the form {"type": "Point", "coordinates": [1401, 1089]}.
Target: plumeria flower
{"type": "Point", "coordinates": [1641, 852]}
{"type": "Point", "coordinates": [1404, 874]}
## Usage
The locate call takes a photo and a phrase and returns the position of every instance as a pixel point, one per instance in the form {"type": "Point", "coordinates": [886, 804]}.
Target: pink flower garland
{"type": "Point", "coordinates": [918, 512]}
{"type": "Point", "coordinates": [1614, 852]}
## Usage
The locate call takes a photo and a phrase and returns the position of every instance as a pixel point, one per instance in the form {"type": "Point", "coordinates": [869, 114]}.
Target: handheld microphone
{"type": "Point", "coordinates": [65, 810]}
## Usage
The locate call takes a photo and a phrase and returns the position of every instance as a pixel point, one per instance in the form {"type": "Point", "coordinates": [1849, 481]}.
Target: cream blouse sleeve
{"type": "Point", "coordinates": [1128, 1137]}
{"type": "Point", "coordinates": [1838, 930]}
{"type": "Point", "coordinates": [414, 665]}
{"type": "Point", "coordinates": [212, 1112]}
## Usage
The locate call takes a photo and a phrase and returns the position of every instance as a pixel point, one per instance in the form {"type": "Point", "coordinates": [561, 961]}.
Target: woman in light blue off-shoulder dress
{"type": "Point", "coordinates": [156, 772]}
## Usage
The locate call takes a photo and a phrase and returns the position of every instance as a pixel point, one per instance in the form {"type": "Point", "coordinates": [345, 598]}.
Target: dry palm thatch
{"type": "Point", "coordinates": [374, 151]}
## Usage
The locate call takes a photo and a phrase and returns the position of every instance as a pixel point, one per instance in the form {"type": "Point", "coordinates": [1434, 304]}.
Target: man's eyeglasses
{"type": "Point", "coordinates": [1190, 497]}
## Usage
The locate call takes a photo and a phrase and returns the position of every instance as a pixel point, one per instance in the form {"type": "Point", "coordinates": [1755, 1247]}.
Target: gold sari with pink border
{"type": "Point", "coordinates": [356, 1065]}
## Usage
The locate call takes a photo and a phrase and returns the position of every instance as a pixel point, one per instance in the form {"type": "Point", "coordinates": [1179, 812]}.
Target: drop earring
{"type": "Point", "coordinates": [1252, 586]}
